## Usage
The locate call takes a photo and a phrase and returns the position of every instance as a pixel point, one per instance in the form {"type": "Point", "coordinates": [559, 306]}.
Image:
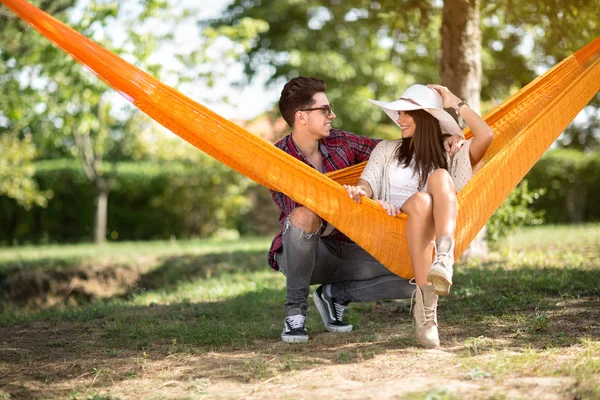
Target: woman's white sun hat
{"type": "Point", "coordinates": [421, 97]}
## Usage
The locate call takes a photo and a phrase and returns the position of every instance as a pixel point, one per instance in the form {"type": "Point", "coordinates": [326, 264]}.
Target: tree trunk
{"type": "Point", "coordinates": [461, 68]}
{"type": "Point", "coordinates": [576, 199]}
{"type": "Point", "coordinates": [101, 191]}
{"type": "Point", "coordinates": [461, 50]}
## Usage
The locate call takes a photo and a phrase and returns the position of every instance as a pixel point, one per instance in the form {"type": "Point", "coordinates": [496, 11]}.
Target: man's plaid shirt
{"type": "Point", "coordinates": [340, 150]}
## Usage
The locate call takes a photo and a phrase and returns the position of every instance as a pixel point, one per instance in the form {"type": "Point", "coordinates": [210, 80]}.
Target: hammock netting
{"type": "Point", "coordinates": [524, 127]}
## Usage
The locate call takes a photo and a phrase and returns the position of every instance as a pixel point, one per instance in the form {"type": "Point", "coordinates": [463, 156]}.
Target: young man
{"type": "Point", "coordinates": [308, 250]}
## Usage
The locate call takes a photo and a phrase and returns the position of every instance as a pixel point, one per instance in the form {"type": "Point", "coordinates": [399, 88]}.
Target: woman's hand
{"type": "Point", "coordinates": [449, 98]}
{"type": "Point", "coordinates": [356, 192]}
{"type": "Point", "coordinates": [452, 144]}
{"type": "Point", "coordinates": [391, 209]}
{"type": "Point", "coordinates": [482, 133]}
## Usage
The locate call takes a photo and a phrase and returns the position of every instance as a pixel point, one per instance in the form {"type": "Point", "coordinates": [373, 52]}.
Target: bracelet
{"type": "Point", "coordinates": [459, 105]}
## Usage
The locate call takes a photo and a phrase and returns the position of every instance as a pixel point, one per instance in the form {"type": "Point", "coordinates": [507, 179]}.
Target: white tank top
{"type": "Point", "coordinates": [404, 182]}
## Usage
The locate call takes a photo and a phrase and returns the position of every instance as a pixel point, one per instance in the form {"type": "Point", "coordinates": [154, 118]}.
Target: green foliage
{"type": "Point", "coordinates": [584, 135]}
{"type": "Point", "coordinates": [21, 103]}
{"type": "Point", "coordinates": [148, 201]}
{"type": "Point", "coordinates": [362, 49]}
{"type": "Point", "coordinates": [572, 180]}
{"type": "Point", "coordinates": [558, 28]}
{"type": "Point", "coordinates": [16, 172]}
{"type": "Point", "coordinates": [47, 93]}
{"type": "Point", "coordinates": [366, 49]}
{"type": "Point", "coordinates": [515, 212]}
{"type": "Point", "coordinates": [67, 109]}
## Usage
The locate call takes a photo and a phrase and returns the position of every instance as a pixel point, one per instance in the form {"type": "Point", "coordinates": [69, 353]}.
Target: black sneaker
{"type": "Point", "coordinates": [331, 311]}
{"type": "Point", "coordinates": [294, 329]}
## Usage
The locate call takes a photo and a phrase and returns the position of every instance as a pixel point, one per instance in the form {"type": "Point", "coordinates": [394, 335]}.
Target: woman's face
{"type": "Point", "coordinates": [407, 124]}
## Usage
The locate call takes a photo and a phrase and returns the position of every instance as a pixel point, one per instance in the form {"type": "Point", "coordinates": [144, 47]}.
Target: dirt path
{"type": "Point", "coordinates": [71, 360]}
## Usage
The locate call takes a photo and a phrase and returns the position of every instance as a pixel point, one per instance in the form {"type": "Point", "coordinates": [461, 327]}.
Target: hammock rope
{"type": "Point", "coordinates": [524, 127]}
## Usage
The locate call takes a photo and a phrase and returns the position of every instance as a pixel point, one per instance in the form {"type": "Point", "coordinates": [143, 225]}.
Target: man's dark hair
{"type": "Point", "coordinates": [298, 94]}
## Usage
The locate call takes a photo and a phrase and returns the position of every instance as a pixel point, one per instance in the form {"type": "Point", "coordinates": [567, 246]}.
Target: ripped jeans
{"type": "Point", "coordinates": [309, 258]}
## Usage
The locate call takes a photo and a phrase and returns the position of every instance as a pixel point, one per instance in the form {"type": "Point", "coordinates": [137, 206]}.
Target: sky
{"type": "Point", "coordinates": [244, 104]}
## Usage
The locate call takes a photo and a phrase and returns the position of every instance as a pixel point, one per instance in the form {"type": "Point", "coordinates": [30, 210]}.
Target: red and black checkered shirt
{"type": "Point", "coordinates": [340, 150]}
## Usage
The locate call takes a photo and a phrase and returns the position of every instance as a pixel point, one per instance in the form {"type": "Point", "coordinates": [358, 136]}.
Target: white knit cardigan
{"type": "Point", "coordinates": [376, 173]}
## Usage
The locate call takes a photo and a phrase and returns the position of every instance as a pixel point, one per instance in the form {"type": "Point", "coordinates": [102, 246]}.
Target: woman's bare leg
{"type": "Point", "coordinates": [445, 209]}
{"type": "Point", "coordinates": [445, 206]}
{"type": "Point", "coordinates": [419, 233]}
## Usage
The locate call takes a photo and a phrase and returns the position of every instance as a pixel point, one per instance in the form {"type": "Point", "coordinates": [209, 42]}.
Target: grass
{"type": "Point", "coordinates": [541, 237]}
{"type": "Point", "coordinates": [59, 256]}
{"type": "Point", "coordinates": [203, 318]}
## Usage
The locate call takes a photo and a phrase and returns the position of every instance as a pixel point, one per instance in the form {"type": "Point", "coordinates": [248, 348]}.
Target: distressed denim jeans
{"type": "Point", "coordinates": [309, 258]}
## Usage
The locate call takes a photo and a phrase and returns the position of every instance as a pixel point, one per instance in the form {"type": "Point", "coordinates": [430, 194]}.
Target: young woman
{"type": "Point", "coordinates": [414, 175]}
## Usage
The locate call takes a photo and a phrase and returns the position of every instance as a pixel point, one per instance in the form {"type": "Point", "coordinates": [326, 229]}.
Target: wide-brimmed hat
{"type": "Point", "coordinates": [421, 97]}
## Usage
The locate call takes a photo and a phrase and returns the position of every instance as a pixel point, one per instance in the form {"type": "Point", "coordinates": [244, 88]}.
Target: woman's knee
{"type": "Point", "coordinates": [421, 205]}
{"type": "Point", "coordinates": [440, 178]}
{"type": "Point", "coordinates": [303, 218]}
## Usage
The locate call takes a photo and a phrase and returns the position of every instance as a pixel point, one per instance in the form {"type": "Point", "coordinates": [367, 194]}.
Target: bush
{"type": "Point", "coordinates": [515, 212]}
{"type": "Point", "coordinates": [147, 201]}
{"type": "Point", "coordinates": [572, 181]}
{"type": "Point", "coordinates": [164, 199]}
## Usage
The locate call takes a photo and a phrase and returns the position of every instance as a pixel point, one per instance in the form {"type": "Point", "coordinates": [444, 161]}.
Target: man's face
{"type": "Point", "coordinates": [318, 118]}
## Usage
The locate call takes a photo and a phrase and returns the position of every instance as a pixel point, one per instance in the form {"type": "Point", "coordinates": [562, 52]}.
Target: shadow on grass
{"type": "Point", "coordinates": [45, 283]}
{"type": "Point", "coordinates": [238, 338]}
{"type": "Point", "coordinates": [176, 269]}
{"type": "Point", "coordinates": [493, 290]}
{"type": "Point", "coordinates": [524, 307]}
{"type": "Point", "coordinates": [235, 339]}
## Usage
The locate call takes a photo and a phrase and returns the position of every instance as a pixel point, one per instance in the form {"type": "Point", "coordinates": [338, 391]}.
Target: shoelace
{"type": "Point", "coordinates": [428, 312]}
{"type": "Point", "coordinates": [446, 259]}
{"type": "Point", "coordinates": [339, 311]}
{"type": "Point", "coordinates": [296, 321]}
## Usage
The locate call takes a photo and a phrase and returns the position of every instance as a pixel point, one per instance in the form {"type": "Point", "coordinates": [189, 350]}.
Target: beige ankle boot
{"type": "Point", "coordinates": [440, 273]}
{"type": "Point", "coordinates": [425, 316]}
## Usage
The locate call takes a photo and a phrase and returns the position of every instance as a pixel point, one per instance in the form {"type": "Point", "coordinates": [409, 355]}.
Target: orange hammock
{"type": "Point", "coordinates": [524, 126]}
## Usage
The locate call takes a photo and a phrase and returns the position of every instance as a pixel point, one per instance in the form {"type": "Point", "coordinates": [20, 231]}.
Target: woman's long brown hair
{"type": "Point", "coordinates": [426, 146]}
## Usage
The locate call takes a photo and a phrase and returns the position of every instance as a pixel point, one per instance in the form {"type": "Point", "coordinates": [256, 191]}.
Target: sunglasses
{"type": "Point", "coordinates": [327, 110]}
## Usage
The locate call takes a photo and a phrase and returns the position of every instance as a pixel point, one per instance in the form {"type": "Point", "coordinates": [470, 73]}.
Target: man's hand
{"type": "Point", "coordinates": [355, 192]}
{"type": "Point", "coordinates": [452, 144]}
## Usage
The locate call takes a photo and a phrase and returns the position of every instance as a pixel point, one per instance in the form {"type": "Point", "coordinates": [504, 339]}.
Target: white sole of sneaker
{"type": "Point", "coordinates": [294, 339]}
{"type": "Point", "coordinates": [321, 308]}
{"type": "Point", "coordinates": [338, 329]}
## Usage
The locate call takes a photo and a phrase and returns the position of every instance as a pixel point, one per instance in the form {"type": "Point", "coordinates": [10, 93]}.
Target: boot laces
{"type": "Point", "coordinates": [429, 313]}
{"type": "Point", "coordinates": [444, 259]}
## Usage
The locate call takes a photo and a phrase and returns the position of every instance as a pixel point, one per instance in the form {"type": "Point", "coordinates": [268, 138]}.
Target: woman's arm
{"type": "Point", "coordinates": [482, 133]}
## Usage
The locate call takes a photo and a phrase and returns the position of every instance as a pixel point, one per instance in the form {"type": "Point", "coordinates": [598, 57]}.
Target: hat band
{"type": "Point", "coordinates": [410, 101]}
